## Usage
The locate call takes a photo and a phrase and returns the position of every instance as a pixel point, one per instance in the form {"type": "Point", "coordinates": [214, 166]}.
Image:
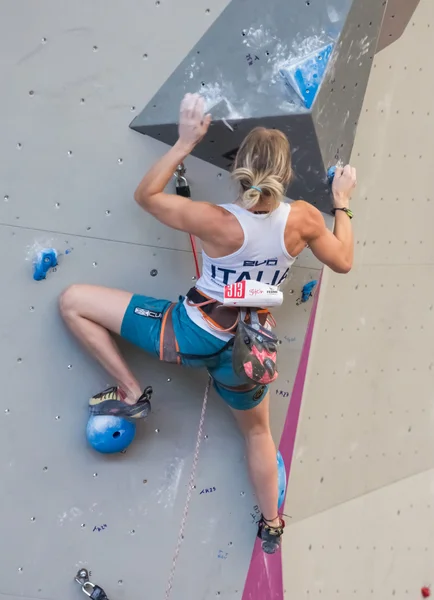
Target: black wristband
{"type": "Point", "coordinates": [345, 210]}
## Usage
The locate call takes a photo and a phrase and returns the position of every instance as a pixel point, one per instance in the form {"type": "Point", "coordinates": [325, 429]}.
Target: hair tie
{"type": "Point", "coordinates": [255, 187]}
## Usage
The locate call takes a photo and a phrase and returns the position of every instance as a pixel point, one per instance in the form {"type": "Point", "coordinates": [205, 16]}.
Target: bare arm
{"type": "Point", "coordinates": [197, 218]}
{"type": "Point", "coordinates": [336, 250]}
{"type": "Point", "coordinates": [333, 249]}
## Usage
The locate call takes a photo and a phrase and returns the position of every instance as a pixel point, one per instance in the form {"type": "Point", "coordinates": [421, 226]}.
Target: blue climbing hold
{"type": "Point", "coordinates": [109, 434]}
{"type": "Point", "coordinates": [331, 174]}
{"type": "Point", "coordinates": [305, 75]}
{"type": "Point", "coordinates": [307, 290]}
{"type": "Point", "coordinates": [45, 260]}
{"type": "Point", "coordinates": [281, 479]}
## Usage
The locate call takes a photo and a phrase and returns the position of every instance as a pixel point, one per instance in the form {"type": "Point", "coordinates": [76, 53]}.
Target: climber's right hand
{"type": "Point", "coordinates": [344, 182]}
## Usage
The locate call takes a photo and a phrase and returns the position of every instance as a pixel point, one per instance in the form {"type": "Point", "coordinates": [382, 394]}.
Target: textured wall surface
{"type": "Point", "coordinates": [360, 495]}
{"type": "Point", "coordinates": [72, 76]}
{"type": "Point", "coordinates": [361, 492]}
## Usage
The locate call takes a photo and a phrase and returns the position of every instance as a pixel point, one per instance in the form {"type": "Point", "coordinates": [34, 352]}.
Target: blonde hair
{"type": "Point", "coordinates": [263, 161]}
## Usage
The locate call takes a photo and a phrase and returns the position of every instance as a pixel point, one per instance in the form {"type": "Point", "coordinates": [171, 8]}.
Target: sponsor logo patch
{"type": "Point", "coordinates": [258, 394]}
{"type": "Point", "coordinates": [144, 312]}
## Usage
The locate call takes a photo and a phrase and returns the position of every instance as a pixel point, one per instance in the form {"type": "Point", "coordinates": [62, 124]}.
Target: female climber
{"type": "Point", "coordinates": [256, 237]}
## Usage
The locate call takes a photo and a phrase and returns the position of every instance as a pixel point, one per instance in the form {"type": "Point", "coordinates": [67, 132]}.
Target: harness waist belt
{"type": "Point", "coordinates": [224, 317]}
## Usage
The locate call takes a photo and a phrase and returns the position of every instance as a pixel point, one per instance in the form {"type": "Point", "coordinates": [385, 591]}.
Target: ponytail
{"type": "Point", "coordinates": [262, 167]}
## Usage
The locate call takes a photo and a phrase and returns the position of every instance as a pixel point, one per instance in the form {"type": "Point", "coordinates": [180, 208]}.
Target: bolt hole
{"type": "Point", "coordinates": [116, 434]}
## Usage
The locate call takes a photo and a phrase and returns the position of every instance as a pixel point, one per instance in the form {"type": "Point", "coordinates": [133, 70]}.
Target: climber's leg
{"type": "Point", "coordinates": [250, 405]}
{"type": "Point", "coordinates": [91, 312]}
{"type": "Point", "coordinates": [261, 456]}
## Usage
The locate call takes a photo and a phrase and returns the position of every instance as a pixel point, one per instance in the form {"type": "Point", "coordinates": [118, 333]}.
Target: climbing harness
{"type": "Point", "coordinates": [255, 345]}
{"type": "Point", "coordinates": [93, 591]}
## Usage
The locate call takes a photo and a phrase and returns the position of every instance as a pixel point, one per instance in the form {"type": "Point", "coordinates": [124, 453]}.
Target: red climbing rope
{"type": "Point", "coordinates": [183, 189]}
{"type": "Point", "coordinates": [196, 261]}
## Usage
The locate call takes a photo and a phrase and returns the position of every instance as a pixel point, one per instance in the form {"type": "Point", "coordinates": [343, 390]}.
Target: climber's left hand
{"type": "Point", "coordinates": [193, 123]}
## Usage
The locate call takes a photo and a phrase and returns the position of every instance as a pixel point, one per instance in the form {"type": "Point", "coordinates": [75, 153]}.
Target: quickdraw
{"type": "Point", "coordinates": [93, 591]}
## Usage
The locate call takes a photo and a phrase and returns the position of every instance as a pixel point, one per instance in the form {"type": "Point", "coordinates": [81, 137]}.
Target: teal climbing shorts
{"type": "Point", "coordinates": [141, 326]}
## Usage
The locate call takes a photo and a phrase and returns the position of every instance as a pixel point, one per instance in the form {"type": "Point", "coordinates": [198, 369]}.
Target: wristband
{"type": "Point", "coordinates": [346, 210]}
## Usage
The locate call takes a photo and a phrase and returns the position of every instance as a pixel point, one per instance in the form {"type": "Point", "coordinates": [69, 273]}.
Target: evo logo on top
{"type": "Point", "coordinates": [251, 270]}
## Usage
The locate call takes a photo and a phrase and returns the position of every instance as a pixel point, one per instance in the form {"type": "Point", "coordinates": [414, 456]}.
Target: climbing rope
{"type": "Point", "coordinates": [183, 189]}
{"type": "Point", "coordinates": [189, 492]}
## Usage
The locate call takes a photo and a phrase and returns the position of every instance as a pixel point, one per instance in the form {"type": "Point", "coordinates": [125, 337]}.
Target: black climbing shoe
{"type": "Point", "coordinates": [112, 402]}
{"type": "Point", "coordinates": [271, 536]}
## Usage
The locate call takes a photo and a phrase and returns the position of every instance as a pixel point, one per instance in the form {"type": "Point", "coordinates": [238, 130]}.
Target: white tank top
{"type": "Point", "coordinates": [262, 257]}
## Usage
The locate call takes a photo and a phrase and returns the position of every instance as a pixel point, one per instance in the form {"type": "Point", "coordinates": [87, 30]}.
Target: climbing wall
{"type": "Point", "coordinates": [299, 66]}
{"type": "Point", "coordinates": [73, 77]}
{"type": "Point", "coordinates": [361, 490]}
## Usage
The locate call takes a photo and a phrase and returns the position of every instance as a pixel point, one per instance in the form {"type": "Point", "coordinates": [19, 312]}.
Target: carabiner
{"type": "Point", "coordinates": [88, 584]}
{"type": "Point", "coordinates": [96, 592]}
{"type": "Point", "coordinates": [181, 182]}
{"type": "Point", "coordinates": [180, 170]}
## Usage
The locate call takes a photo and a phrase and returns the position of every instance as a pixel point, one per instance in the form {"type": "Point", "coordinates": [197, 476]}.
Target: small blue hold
{"type": "Point", "coordinates": [331, 174]}
{"type": "Point", "coordinates": [45, 260]}
{"type": "Point", "coordinates": [281, 479]}
{"type": "Point", "coordinates": [109, 434]}
{"type": "Point", "coordinates": [307, 290]}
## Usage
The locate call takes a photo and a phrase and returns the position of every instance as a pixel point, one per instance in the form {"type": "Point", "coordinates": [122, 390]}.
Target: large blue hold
{"type": "Point", "coordinates": [305, 75]}
{"type": "Point", "coordinates": [281, 474]}
{"type": "Point", "coordinates": [109, 434]}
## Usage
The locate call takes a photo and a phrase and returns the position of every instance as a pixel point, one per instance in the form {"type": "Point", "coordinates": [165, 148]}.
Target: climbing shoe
{"type": "Point", "coordinates": [112, 402]}
{"type": "Point", "coordinates": [271, 536]}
